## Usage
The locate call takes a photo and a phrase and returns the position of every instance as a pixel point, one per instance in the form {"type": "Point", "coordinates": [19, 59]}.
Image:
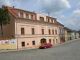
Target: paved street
{"type": "Point", "coordinates": [69, 51]}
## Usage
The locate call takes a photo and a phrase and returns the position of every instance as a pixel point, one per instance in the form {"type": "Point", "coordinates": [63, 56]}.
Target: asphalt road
{"type": "Point", "coordinates": [69, 51]}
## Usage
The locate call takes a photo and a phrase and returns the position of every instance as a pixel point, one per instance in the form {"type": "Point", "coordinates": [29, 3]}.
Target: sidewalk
{"type": "Point", "coordinates": [68, 42]}
{"type": "Point", "coordinates": [6, 50]}
{"type": "Point", "coordinates": [14, 50]}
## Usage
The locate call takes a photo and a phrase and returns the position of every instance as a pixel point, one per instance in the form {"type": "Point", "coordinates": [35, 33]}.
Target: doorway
{"type": "Point", "coordinates": [42, 41]}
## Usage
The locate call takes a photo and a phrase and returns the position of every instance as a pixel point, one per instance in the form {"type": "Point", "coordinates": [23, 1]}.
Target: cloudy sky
{"type": "Point", "coordinates": [66, 11]}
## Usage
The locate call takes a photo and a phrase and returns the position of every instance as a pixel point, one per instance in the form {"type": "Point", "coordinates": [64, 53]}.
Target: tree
{"type": "Point", "coordinates": [4, 18]}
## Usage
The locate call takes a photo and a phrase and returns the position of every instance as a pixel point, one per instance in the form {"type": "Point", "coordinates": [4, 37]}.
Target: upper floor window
{"type": "Point", "coordinates": [49, 40]}
{"type": "Point", "coordinates": [22, 31]}
{"type": "Point", "coordinates": [51, 21]}
{"type": "Point", "coordinates": [24, 15]}
{"type": "Point", "coordinates": [48, 20]}
{"type": "Point", "coordinates": [33, 32]}
{"type": "Point", "coordinates": [21, 14]}
{"type": "Point", "coordinates": [42, 18]}
{"type": "Point", "coordinates": [49, 31]}
{"type": "Point", "coordinates": [42, 31]}
{"type": "Point", "coordinates": [55, 31]}
{"type": "Point", "coordinates": [27, 16]}
{"type": "Point", "coordinates": [32, 17]}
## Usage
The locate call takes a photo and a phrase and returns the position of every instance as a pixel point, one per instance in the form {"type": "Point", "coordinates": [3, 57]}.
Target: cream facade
{"type": "Point", "coordinates": [31, 29]}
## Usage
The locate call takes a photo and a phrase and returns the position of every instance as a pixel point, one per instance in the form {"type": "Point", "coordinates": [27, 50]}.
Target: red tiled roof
{"type": "Point", "coordinates": [14, 11]}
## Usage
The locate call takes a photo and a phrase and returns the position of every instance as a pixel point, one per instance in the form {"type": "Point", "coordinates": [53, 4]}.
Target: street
{"type": "Point", "coordinates": [68, 51]}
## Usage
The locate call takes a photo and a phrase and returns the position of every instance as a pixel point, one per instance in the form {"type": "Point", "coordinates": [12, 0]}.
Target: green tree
{"type": "Point", "coordinates": [4, 18]}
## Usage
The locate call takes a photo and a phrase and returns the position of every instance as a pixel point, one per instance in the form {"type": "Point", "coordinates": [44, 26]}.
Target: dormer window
{"type": "Point", "coordinates": [48, 20]}
{"type": "Point", "coordinates": [51, 21]}
{"type": "Point", "coordinates": [42, 18]}
{"type": "Point", "coordinates": [27, 16]}
{"type": "Point", "coordinates": [24, 15]}
{"type": "Point", "coordinates": [21, 14]}
{"type": "Point", "coordinates": [32, 17]}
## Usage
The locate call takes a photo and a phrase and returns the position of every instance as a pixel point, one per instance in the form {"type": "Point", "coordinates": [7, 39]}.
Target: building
{"type": "Point", "coordinates": [31, 29]}
{"type": "Point", "coordinates": [70, 34]}
{"type": "Point", "coordinates": [67, 34]}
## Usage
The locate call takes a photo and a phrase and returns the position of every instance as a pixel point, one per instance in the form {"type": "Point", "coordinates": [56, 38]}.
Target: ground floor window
{"type": "Point", "coordinates": [33, 42]}
{"type": "Point", "coordinates": [49, 40]}
{"type": "Point", "coordinates": [23, 44]}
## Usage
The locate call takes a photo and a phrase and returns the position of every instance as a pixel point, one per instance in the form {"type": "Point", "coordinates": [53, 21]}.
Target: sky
{"type": "Point", "coordinates": [67, 12]}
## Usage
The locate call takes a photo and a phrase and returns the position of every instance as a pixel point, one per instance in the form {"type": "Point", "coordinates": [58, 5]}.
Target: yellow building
{"type": "Point", "coordinates": [31, 29]}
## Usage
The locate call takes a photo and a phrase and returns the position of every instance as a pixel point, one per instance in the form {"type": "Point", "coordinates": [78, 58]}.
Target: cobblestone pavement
{"type": "Point", "coordinates": [68, 51]}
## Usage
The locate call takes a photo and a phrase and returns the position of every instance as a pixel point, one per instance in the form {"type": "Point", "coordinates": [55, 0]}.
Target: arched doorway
{"type": "Point", "coordinates": [42, 41]}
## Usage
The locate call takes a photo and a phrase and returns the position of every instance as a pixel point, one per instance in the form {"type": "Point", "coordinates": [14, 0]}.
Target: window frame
{"type": "Point", "coordinates": [41, 19]}
{"type": "Point", "coordinates": [22, 31]}
{"type": "Point", "coordinates": [42, 31]}
{"type": "Point", "coordinates": [33, 31]}
{"type": "Point", "coordinates": [33, 43]}
{"type": "Point", "coordinates": [23, 44]}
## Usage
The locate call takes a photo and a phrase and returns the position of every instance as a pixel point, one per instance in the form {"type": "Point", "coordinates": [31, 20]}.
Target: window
{"type": "Point", "coordinates": [23, 44]}
{"type": "Point", "coordinates": [48, 20]}
{"type": "Point", "coordinates": [42, 31]}
{"type": "Point", "coordinates": [33, 32]}
{"type": "Point", "coordinates": [42, 18]}
{"type": "Point", "coordinates": [21, 14]}
{"type": "Point", "coordinates": [32, 17]}
{"type": "Point", "coordinates": [27, 16]}
{"type": "Point", "coordinates": [49, 40]}
{"type": "Point", "coordinates": [51, 21]}
{"type": "Point", "coordinates": [22, 31]}
{"type": "Point", "coordinates": [24, 15]}
{"type": "Point", "coordinates": [49, 31]}
{"type": "Point", "coordinates": [33, 42]}
{"type": "Point", "coordinates": [53, 32]}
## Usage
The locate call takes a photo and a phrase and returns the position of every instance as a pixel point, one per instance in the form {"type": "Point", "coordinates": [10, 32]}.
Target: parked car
{"type": "Point", "coordinates": [45, 45]}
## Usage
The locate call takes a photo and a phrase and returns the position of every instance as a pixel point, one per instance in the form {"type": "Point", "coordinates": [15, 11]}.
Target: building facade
{"type": "Point", "coordinates": [70, 34]}
{"type": "Point", "coordinates": [31, 29]}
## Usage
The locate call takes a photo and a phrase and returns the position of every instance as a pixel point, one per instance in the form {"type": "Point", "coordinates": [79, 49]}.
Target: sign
{"type": "Point", "coordinates": [12, 41]}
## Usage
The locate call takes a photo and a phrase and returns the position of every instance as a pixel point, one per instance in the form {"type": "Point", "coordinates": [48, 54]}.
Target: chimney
{"type": "Point", "coordinates": [13, 6]}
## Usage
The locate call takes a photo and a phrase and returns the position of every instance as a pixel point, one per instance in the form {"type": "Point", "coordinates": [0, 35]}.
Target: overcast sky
{"type": "Point", "coordinates": [66, 11]}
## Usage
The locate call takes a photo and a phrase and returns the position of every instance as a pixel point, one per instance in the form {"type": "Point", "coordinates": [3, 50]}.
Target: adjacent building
{"type": "Point", "coordinates": [70, 34]}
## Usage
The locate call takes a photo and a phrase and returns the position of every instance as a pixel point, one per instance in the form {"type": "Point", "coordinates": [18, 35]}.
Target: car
{"type": "Point", "coordinates": [45, 45]}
